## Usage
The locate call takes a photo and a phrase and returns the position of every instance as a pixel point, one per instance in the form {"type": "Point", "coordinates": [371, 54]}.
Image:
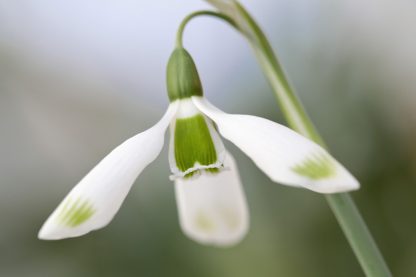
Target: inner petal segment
{"type": "Point", "coordinates": [195, 146]}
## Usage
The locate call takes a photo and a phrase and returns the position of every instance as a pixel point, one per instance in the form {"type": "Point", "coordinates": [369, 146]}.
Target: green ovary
{"type": "Point", "coordinates": [193, 144]}
{"type": "Point", "coordinates": [74, 213]}
{"type": "Point", "coordinates": [316, 167]}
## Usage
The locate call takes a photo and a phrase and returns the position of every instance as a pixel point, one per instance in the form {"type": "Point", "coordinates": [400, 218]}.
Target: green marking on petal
{"type": "Point", "coordinates": [204, 223]}
{"type": "Point", "coordinates": [191, 174]}
{"type": "Point", "coordinates": [316, 167]}
{"type": "Point", "coordinates": [74, 213]}
{"type": "Point", "coordinates": [212, 170]}
{"type": "Point", "coordinates": [231, 219]}
{"type": "Point", "coordinates": [193, 144]}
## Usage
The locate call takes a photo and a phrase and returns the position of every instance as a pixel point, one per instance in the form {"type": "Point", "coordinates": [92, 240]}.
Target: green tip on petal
{"type": "Point", "coordinates": [316, 167]}
{"type": "Point", "coordinates": [213, 171]}
{"type": "Point", "coordinates": [74, 213]}
{"type": "Point", "coordinates": [194, 145]}
{"type": "Point", "coordinates": [204, 223]}
{"type": "Point", "coordinates": [182, 76]}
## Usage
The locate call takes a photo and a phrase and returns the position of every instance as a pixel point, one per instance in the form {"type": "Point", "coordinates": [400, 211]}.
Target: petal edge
{"type": "Point", "coordinates": [281, 153]}
{"type": "Point", "coordinates": [94, 201]}
{"type": "Point", "coordinates": [212, 207]}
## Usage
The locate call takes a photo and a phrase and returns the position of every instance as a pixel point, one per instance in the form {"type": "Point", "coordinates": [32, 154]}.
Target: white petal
{"type": "Point", "coordinates": [94, 201]}
{"type": "Point", "coordinates": [280, 152]}
{"type": "Point", "coordinates": [212, 207]}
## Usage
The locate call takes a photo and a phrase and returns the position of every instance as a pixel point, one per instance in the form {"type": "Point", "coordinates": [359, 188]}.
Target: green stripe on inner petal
{"type": "Point", "coordinates": [194, 144]}
{"type": "Point", "coordinates": [316, 167]}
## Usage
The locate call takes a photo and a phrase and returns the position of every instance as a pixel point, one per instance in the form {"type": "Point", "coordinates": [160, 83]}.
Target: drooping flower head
{"type": "Point", "coordinates": [211, 202]}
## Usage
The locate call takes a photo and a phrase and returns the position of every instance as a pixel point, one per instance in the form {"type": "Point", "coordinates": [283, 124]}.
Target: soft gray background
{"type": "Point", "coordinates": [79, 77]}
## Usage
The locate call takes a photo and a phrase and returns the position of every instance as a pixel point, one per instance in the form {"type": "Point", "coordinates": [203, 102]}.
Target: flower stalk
{"type": "Point", "coordinates": [342, 204]}
{"type": "Point", "coordinates": [181, 28]}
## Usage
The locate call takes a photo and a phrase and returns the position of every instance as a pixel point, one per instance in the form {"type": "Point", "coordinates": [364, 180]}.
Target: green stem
{"type": "Point", "coordinates": [341, 204]}
{"type": "Point", "coordinates": [358, 235]}
{"type": "Point", "coordinates": [179, 34]}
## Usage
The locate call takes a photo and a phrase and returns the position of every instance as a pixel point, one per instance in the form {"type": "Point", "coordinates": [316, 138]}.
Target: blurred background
{"type": "Point", "coordinates": [79, 77]}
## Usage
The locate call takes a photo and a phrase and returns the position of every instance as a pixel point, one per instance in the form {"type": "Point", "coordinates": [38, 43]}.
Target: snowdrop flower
{"type": "Point", "coordinates": [211, 202]}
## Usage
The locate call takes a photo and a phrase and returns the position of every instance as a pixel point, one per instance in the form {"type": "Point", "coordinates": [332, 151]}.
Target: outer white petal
{"type": "Point", "coordinates": [212, 207]}
{"type": "Point", "coordinates": [276, 150]}
{"type": "Point", "coordinates": [94, 201]}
